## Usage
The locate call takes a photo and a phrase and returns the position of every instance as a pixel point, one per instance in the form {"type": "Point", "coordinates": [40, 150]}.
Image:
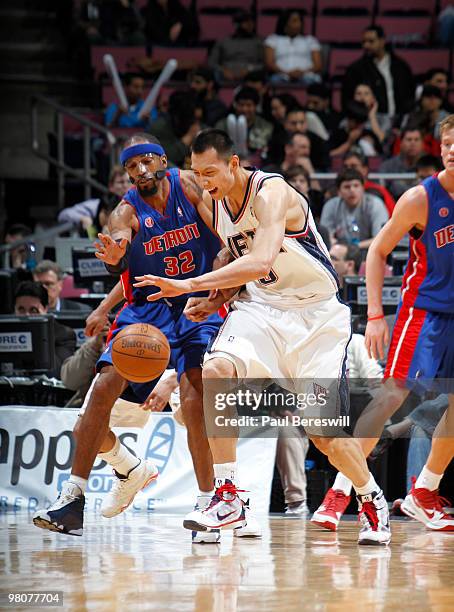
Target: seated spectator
{"type": "Point", "coordinates": [31, 299]}
{"type": "Point", "coordinates": [389, 76]}
{"type": "Point", "coordinates": [291, 56]}
{"type": "Point", "coordinates": [259, 130]}
{"type": "Point", "coordinates": [18, 255]}
{"type": "Point", "coordinates": [177, 129]}
{"type": "Point", "coordinates": [257, 80]}
{"type": "Point", "coordinates": [91, 215]}
{"type": "Point", "coordinates": [279, 106]}
{"type": "Point", "coordinates": [353, 215]}
{"type": "Point", "coordinates": [438, 77]}
{"type": "Point", "coordinates": [352, 132]}
{"type": "Point", "coordinates": [233, 57]}
{"type": "Point", "coordinates": [169, 23]}
{"type": "Point", "coordinates": [356, 160]}
{"type": "Point", "coordinates": [203, 83]}
{"type": "Point", "coordinates": [318, 98]}
{"type": "Point", "coordinates": [50, 276]}
{"type": "Point", "coordinates": [428, 165]}
{"type": "Point", "coordinates": [411, 149]}
{"type": "Point", "coordinates": [428, 111]}
{"type": "Point", "coordinates": [346, 258]}
{"type": "Point", "coordinates": [378, 123]}
{"type": "Point", "coordinates": [297, 121]}
{"type": "Point", "coordinates": [300, 179]}
{"type": "Point", "coordinates": [116, 116]}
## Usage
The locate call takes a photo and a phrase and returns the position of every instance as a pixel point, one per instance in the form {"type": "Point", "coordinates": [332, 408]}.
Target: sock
{"type": "Point", "coordinates": [122, 460]}
{"type": "Point", "coordinates": [223, 472]}
{"type": "Point", "coordinates": [205, 493]}
{"type": "Point", "coordinates": [342, 483]}
{"type": "Point", "coordinates": [428, 480]}
{"type": "Point", "coordinates": [369, 487]}
{"type": "Point", "coordinates": [80, 482]}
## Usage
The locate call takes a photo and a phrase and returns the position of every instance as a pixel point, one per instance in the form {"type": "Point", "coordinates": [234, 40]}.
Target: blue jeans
{"type": "Point", "coordinates": [418, 451]}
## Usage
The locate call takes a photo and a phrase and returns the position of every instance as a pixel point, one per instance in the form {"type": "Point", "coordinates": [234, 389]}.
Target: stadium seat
{"type": "Point", "coordinates": [340, 59]}
{"type": "Point", "coordinates": [223, 5]}
{"type": "Point", "coordinates": [421, 6]}
{"type": "Point", "coordinates": [184, 55]}
{"type": "Point", "coordinates": [226, 95]}
{"type": "Point", "coordinates": [266, 25]}
{"type": "Point", "coordinates": [109, 95]}
{"type": "Point", "coordinates": [340, 30]}
{"type": "Point", "coordinates": [124, 58]}
{"type": "Point", "coordinates": [366, 6]}
{"type": "Point", "coordinates": [422, 60]}
{"type": "Point", "coordinates": [405, 30]}
{"type": "Point", "coordinates": [275, 5]}
{"type": "Point", "coordinates": [215, 27]}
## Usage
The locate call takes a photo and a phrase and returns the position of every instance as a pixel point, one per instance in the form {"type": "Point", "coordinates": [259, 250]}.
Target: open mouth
{"type": "Point", "coordinates": [213, 192]}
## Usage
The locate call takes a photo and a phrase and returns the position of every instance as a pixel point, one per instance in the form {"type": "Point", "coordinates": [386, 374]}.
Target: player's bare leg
{"type": "Point", "coordinates": [423, 502]}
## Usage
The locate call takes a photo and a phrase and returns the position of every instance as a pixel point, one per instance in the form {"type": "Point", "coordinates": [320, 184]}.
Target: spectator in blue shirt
{"type": "Point", "coordinates": [115, 116]}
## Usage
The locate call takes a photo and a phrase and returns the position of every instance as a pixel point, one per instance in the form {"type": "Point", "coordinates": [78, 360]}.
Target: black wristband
{"type": "Point", "coordinates": [122, 265]}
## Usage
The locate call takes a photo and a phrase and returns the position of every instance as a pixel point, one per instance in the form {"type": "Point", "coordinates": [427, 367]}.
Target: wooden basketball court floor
{"type": "Point", "coordinates": [147, 562]}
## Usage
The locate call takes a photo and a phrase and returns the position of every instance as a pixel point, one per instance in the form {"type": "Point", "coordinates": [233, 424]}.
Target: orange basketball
{"type": "Point", "coordinates": [140, 352]}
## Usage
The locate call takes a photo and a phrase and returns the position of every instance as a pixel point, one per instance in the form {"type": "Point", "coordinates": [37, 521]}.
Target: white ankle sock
{"type": "Point", "coordinates": [428, 480]}
{"type": "Point", "coordinates": [223, 472]}
{"type": "Point", "coordinates": [369, 487]}
{"type": "Point", "coordinates": [342, 483]}
{"type": "Point", "coordinates": [80, 482]}
{"type": "Point", "coordinates": [205, 493]}
{"type": "Point", "coordinates": [122, 460]}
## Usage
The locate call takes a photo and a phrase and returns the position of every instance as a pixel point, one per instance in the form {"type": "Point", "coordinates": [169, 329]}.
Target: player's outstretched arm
{"type": "Point", "coordinates": [410, 212]}
{"type": "Point", "coordinates": [270, 208]}
{"type": "Point", "coordinates": [112, 247]}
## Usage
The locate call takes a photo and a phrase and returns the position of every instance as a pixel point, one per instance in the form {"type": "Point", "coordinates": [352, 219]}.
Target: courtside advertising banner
{"type": "Point", "coordinates": [36, 450]}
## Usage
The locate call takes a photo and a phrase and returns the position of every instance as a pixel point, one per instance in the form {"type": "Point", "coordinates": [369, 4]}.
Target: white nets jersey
{"type": "Point", "coordinates": [301, 273]}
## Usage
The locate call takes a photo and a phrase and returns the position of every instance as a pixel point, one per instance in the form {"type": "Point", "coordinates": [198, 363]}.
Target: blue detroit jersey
{"type": "Point", "coordinates": [176, 244]}
{"type": "Point", "coordinates": [429, 278]}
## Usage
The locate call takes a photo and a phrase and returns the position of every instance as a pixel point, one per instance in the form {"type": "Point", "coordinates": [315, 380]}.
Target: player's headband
{"type": "Point", "coordinates": [140, 149]}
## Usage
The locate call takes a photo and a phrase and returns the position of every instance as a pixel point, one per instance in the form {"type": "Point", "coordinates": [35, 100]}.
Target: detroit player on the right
{"type": "Point", "coordinates": [421, 347]}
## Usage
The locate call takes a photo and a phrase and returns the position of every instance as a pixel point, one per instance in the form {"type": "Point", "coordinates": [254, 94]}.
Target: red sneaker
{"type": "Point", "coordinates": [427, 507]}
{"type": "Point", "coordinates": [333, 506]}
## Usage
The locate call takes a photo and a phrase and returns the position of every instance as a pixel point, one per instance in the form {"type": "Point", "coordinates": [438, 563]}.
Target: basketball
{"type": "Point", "coordinates": [140, 352]}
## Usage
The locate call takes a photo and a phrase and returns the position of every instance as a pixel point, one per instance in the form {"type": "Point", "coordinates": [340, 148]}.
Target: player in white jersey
{"type": "Point", "coordinates": [287, 322]}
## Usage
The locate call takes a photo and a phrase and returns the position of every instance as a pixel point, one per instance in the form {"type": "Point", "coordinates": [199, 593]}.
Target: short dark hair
{"type": "Point", "coordinates": [32, 289]}
{"type": "Point", "coordinates": [248, 93]}
{"type": "Point", "coordinates": [379, 31]}
{"type": "Point", "coordinates": [429, 161]}
{"type": "Point", "coordinates": [19, 229]}
{"type": "Point", "coordinates": [413, 127]}
{"type": "Point", "coordinates": [433, 71]}
{"type": "Point", "coordinates": [47, 265]}
{"type": "Point", "coordinates": [297, 170]}
{"type": "Point", "coordinates": [353, 253]}
{"type": "Point", "coordinates": [213, 138]}
{"type": "Point", "coordinates": [349, 174]}
{"type": "Point", "coordinates": [139, 137]}
{"type": "Point", "coordinates": [356, 152]}
{"type": "Point", "coordinates": [130, 76]}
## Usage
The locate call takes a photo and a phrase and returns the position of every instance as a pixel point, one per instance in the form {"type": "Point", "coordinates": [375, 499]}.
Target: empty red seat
{"type": "Point", "coordinates": [324, 5]}
{"type": "Point", "coordinates": [340, 59]}
{"type": "Point", "coordinates": [197, 55]}
{"type": "Point", "coordinates": [405, 30]}
{"type": "Point", "coordinates": [276, 5]}
{"type": "Point", "coordinates": [385, 6]}
{"type": "Point", "coordinates": [223, 4]}
{"type": "Point", "coordinates": [215, 27]}
{"type": "Point", "coordinates": [422, 60]}
{"type": "Point", "coordinates": [334, 29]}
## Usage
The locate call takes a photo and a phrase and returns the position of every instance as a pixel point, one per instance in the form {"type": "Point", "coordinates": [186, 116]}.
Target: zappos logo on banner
{"type": "Point", "coordinates": [159, 450]}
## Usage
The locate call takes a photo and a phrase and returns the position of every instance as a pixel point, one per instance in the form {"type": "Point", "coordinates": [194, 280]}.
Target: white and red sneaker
{"type": "Point", "coordinates": [333, 506]}
{"type": "Point", "coordinates": [427, 507]}
{"type": "Point", "coordinates": [225, 511]}
{"type": "Point", "coordinates": [374, 518]}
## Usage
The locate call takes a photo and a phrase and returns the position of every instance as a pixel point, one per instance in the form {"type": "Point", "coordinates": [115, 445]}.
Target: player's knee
{"type": "Point", "coordinates": [218, 367]}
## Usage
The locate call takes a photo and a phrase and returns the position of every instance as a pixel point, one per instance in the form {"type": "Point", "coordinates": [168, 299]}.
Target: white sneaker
{"type": "Point", "coordinates": [124, 490]}
{"type": "Point", "coordinates": [252, 528]}
{"type": "Point", "coordinates": [226, 511]}
{"type": "Point", "coordinates": [374, 517]}
{"type": "Point", "coordinates": [205, 537]}
{"type": "Point", "coordinates": [299, 510]}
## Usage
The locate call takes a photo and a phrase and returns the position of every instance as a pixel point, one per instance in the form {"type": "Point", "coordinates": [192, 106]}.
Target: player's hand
{"type": "Point", "coordinates": [108, 250]}
{"type": "Point", "coordinates": [166, 286]}
{"type": "Point", "coordinates": [198, 309]}
{"type": "Point", "coordinates": [96, 322]}
{"type": "Point", "coordinates": [160, 396]}
{"type": "Point", "coordinates": [376, 338]}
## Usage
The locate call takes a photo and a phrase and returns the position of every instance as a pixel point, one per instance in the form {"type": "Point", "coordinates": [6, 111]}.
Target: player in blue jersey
{"type": "Point", "coordinates": [157, 228]}
{"type": "Point", "coordinates": [421, 353]}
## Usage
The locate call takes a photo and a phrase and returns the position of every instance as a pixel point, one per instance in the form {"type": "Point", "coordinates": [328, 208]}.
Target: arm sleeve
{"type": "Point", "coordinates": [76, 212]}
{"type": "Point", "coordinates": [77, 370]}
{"type": "Point", "coordinates": [365, 366]}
